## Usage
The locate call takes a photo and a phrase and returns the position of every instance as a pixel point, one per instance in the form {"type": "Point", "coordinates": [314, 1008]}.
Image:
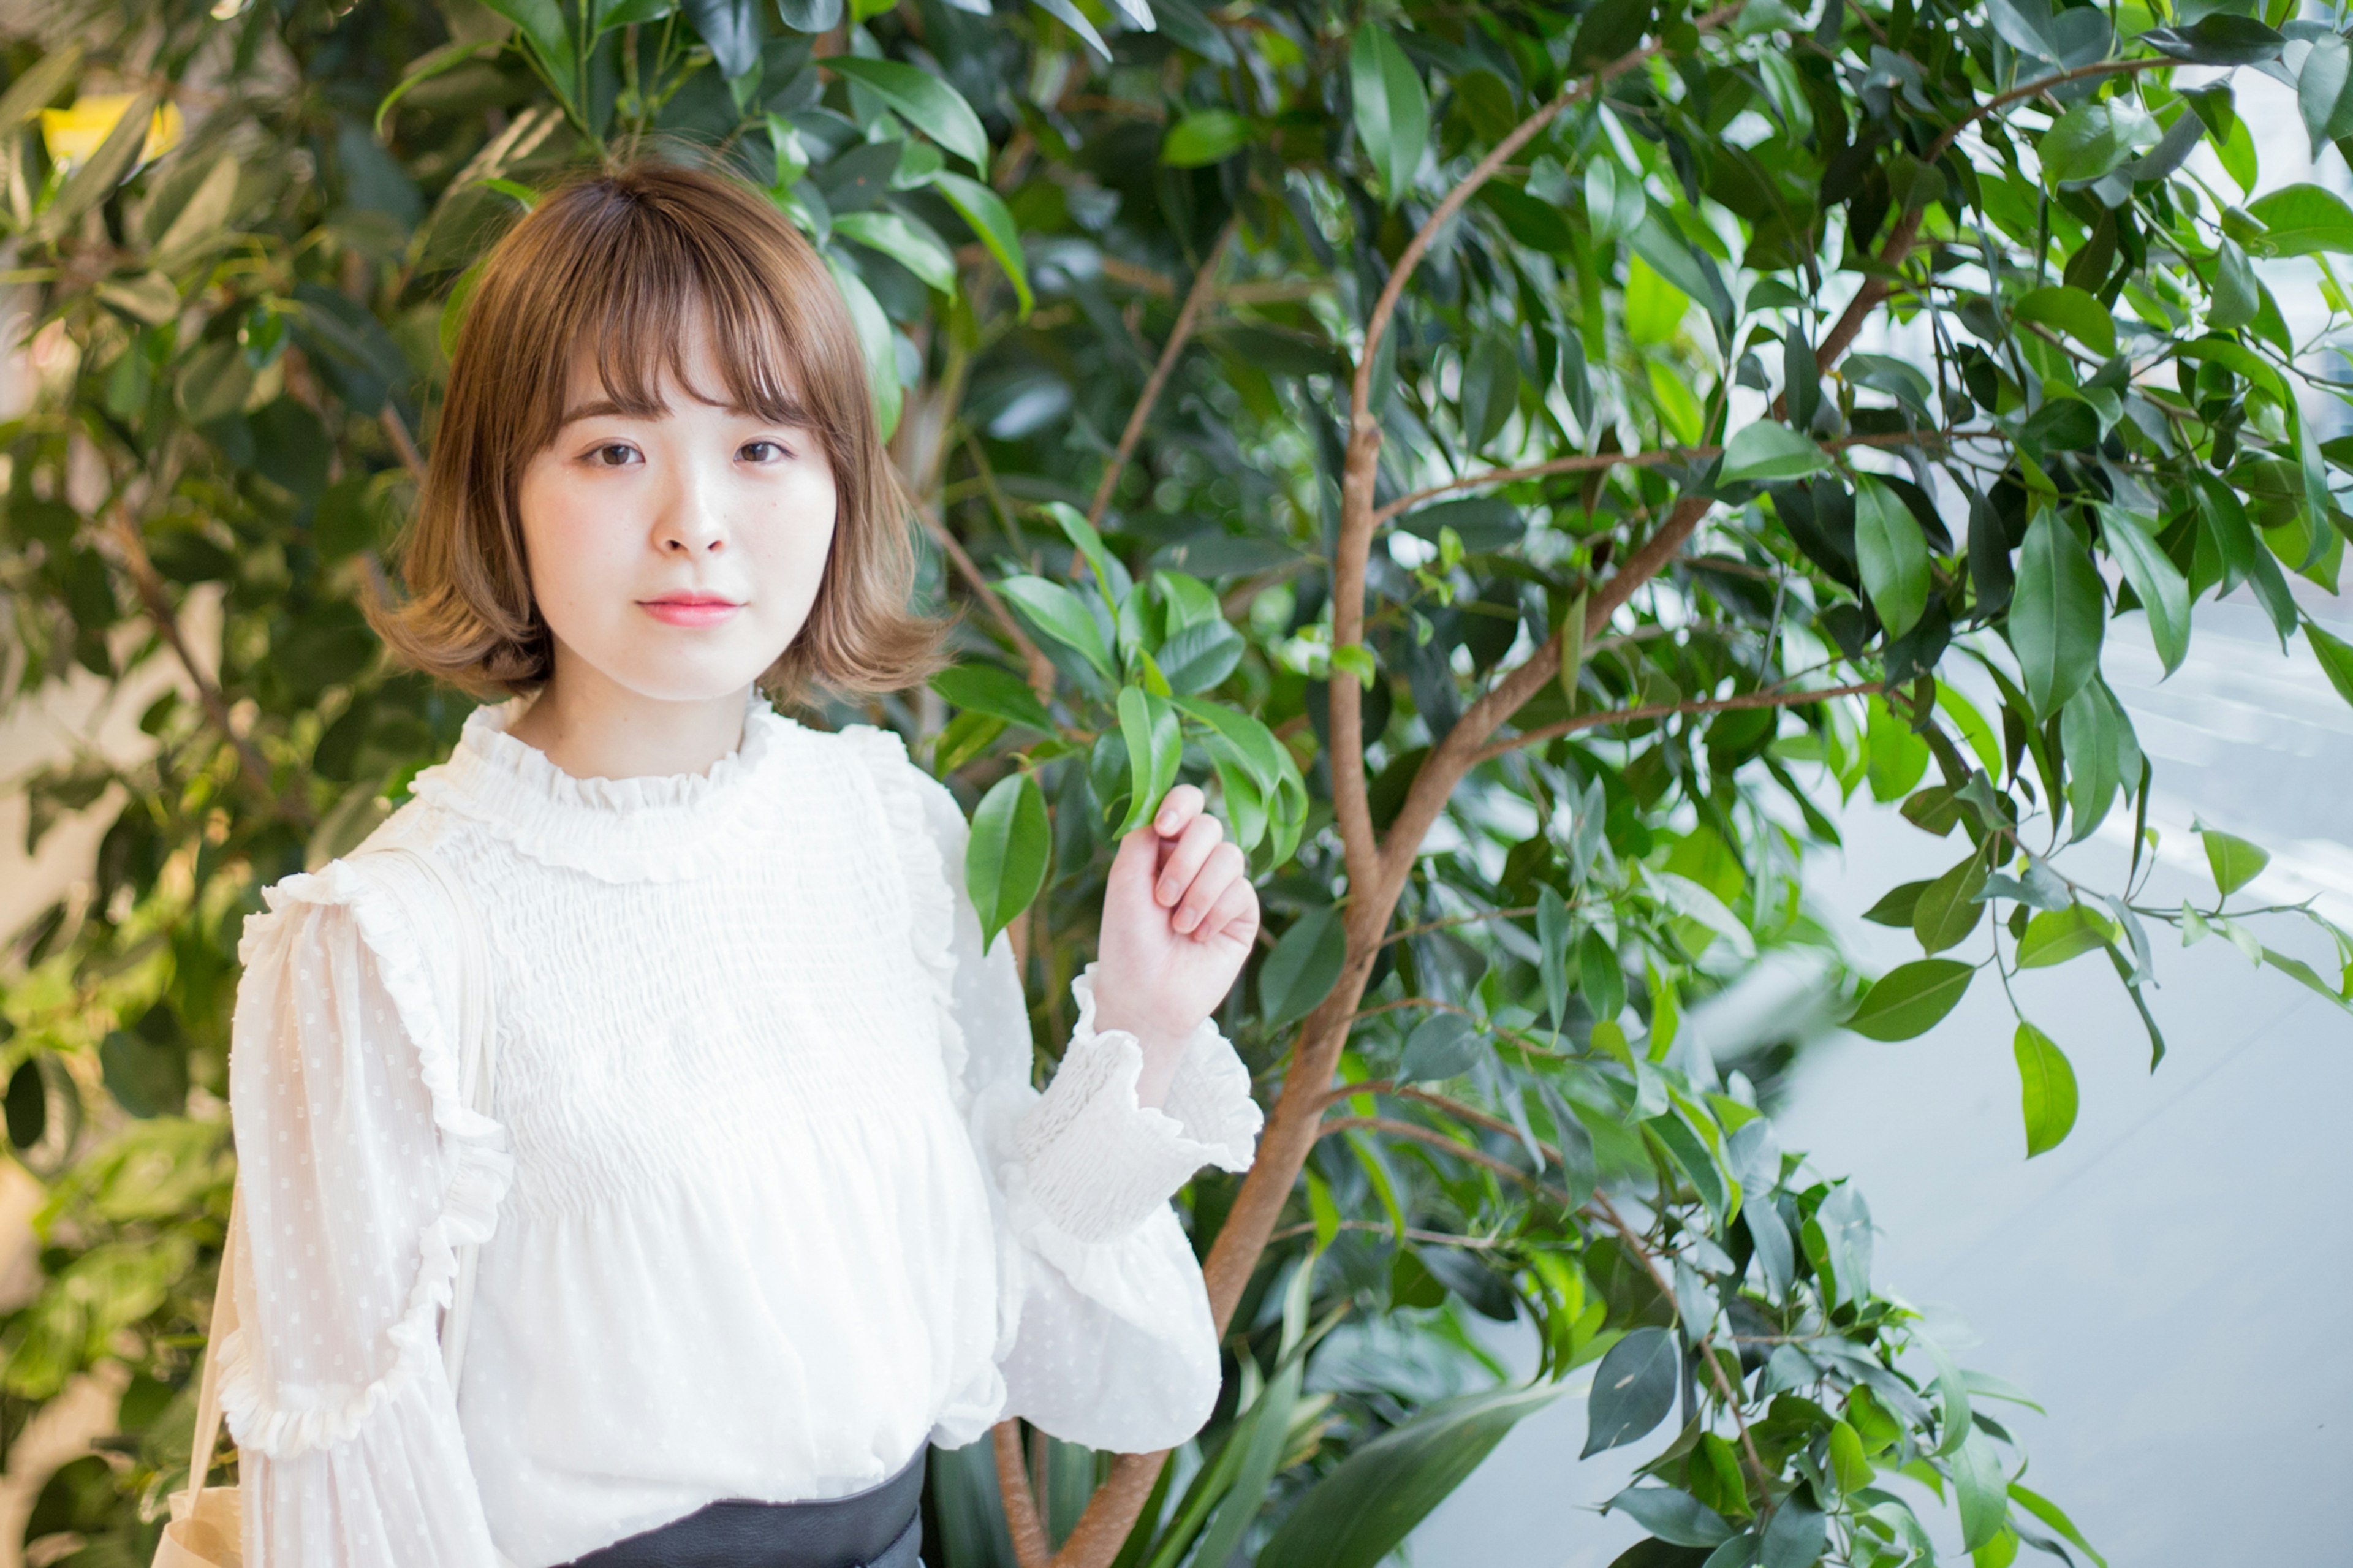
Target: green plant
{"type": "Point", "coordinates": [1498, 518]}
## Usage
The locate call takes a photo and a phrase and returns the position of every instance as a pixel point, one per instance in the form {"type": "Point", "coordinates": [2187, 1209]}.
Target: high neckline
{"type": "Point", "coordinates": [659, 827]}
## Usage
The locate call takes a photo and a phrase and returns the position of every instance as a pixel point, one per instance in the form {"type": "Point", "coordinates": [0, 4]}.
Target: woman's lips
{"type": "Point", "coordinates": [690, 612]}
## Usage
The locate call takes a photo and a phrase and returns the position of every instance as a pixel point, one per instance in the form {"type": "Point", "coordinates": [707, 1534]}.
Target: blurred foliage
{"type": "Point", "coordinates": [1435, 429]}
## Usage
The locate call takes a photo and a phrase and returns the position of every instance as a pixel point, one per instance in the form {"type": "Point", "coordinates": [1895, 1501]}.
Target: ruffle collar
{"type": "Point", "coordinates": [662, 828]}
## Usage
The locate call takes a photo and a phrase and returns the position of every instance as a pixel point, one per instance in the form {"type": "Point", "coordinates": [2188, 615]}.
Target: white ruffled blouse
{"type": "Point", "coordinates": [766, 1199]}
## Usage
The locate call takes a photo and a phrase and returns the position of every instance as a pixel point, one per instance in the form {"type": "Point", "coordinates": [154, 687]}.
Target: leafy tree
{"type": "Point", "coordinates": [1439, 429]}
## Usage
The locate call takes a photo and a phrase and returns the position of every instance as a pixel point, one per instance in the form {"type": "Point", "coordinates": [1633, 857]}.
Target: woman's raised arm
{"type": "Point", "coordinates": [1105, 1333]}
{"type": "Point", "coordinates": [362, 1172]}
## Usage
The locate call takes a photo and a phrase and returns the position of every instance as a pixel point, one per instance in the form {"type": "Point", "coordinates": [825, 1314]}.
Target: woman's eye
{"type": "Point", "coordinates": [776, 448]}
{"type": "Point", "coordinates": [604, 458]}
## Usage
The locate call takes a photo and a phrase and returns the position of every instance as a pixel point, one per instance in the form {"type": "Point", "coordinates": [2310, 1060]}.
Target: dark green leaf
{"type": "Point", "coordinates": [1673, 1515]}
{"type": "Point", "coordinates": [1633, 1389]}
{"type": "Point", "coordinates": [2056, 616]}
{"type": "Point", "coordinates": [986, 689]}
{"type": "Point", "coordinates": [1767, 450]}
{"type": "Point", "coordinates": [1205, 136]}
{"type": "Point", "coordinates": [2218, 39]}
{"type": "Point", "coordinates": [1392, 112]}
{"type": "Point", "coordinates": [992, 222]}
{"type": "Point", "coordinates": [923, 101]}
{"type": "Point", "coordinates": [1948, 909]}
{"type": "Point", "coordinates": [1910, 999]}
{"type": "Point", "coordinates": [1892, 554]}
{"type": "Point", "coordinates": [2057, 935]}
{"type": "Point", "coordinates": [1304, 966]}
{"type": "Point", "coordinates": [1356, 1516]}
{"type": "Point", "coordinates": [1443, 1046]}
{"type": "Point", "coordinates": [1060, 614]}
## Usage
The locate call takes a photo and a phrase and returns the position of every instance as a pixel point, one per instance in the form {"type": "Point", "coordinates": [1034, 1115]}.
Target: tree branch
{"type": "Point", "coordinates": [1583, 464]}
{"type": "Point", "coordinates": [1205, 284]}
{"type": "Point", "coordinates": [1041, 668]}
{"type": "Point", "coordinates": [1021, 1522]}
{"type": "Point", "coordinates": [410, 459]}
{"type": "Point", "coordinates": [1671, 710]}
{"type": "Point", "coordinates": [157, 603]}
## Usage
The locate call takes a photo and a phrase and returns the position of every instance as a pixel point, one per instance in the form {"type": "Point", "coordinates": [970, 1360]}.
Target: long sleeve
{"type": "Point", "coordinates": [1105, 1336]}
{"type": "Point", "coordinates": [362, 1173]}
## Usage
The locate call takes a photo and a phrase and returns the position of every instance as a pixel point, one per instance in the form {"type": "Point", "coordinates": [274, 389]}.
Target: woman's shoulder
{"type": "Point", "coordinates": [912, 797]}
{"type": "Point", "coordinates": [356, 888]}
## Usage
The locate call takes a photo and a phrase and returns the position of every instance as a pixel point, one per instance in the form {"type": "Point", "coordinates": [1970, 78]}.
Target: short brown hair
{"type": "Point", "coordinates": [618, 257]}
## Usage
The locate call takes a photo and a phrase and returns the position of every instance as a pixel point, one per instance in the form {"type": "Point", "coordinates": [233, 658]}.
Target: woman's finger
{"type": "Point", "coordinates": [1235, 914]}
{"type": "Point", "coordinates": [1217, 874]}
{"type": "Point", "coordinates": [1178, 808]}
{"type": "Point", "coordinates": [1186, 857]}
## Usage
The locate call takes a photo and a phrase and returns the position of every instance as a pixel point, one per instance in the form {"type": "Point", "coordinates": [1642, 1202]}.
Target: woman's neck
{"type": "Point", "coordinates": [593, 727]}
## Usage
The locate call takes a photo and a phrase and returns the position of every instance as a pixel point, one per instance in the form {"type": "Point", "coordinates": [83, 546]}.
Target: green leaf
{"type": "Point", "coordinates": [2046, 1090]}
{"type": "Point", "coordinates": [876, 340]}
{"type": "Point", "coordinates": [2101, 754]}
{"type": "Point", "coordinates": [1892, 554]}
{"type": "Point", "coordinates": [1304, 966]}
{"type": "Point", "coordinates": [2335, 657]}
{"type": "Point", "coordinates": [1848, 1462]}
{"type": "Point", "coordinates": [2300, 220]}
{"type": "Point", "coordinates": [541, 24]}
{"type": "Point", "coordinates": [2155, 580]}
{"type": "Point", "coordinates": [909, 241]}
{"type": "Point", "coordinates": [1673, 1515]}
{"type": "Point", "coordinates": [1087, 543]}
{"type": "Point", "coordinates": [1203, 137]}
{"type": "Point", "coordinates": [810, 16]}
{"type": "Point", "coordinates": [1910, 998]}
{"type": "Point", "coordinates": [1201, 657]}
{"type": "Point", "coordinates": [2217, 38]}
{"type": "Point", "coordinates": [2072, 312]}
{"type": "Point", "coordinates": [1983, 1490]}
{"type": "Point", "coordinates": [1443, 1046]}
{"type": "Point", "coordinates": [2235, 861]}
{"type": "Point", "coordinates": [1005, 858]}
{"type": "Point", "coordinates": [432, 63]}
{"type": "Point", "coordinates": [1552, 952]}
{"type": "Point", "coordinates": [1392, 112]}
{"type": "Point", "coordinates": [2056, 614]}
{"type": "Point", "coordinates": [2055, 936]}
{"type": "Point", "coordinates": [1795, 1538]}
{"type": "Point", "coordinates": [1356, 1516]}
{"type": "Point", "coordinates": [1769, 450]}
{"type": "Point", "coordinates": [1898, 905]}
{"type": "Point", "coordinates": [986, 689]}
{"type": "Point", "coordinates": [2051, 1514]}
{"type": "Point", "coordinates": [1264, 1433]}
{"type": "Point", "coordinates": [2094, 138]}
{"type": "Point", "coordinates": [1949, 910]}
{"type": "Point", "coordinates": [731, 30]}
{"type": "Point", "coordinates": [992, 221]}
{"type": "Point", "coordinates": [2237, 296]}
{"type": "Point", "coordinates": [2323, 90]}
{"type": "Point", "coordinates": [1060, 614]}
{"type": "Point", "coordinates": [1491, 389]}
{"type": "Point", "coordinates": [1633, 1389]}
{"type": "Point", "coordinates": [923, 101]}
{"type": "Point", "coordinates": [36, 84]}
{"type": "Point", "coordinates": [1154, 747]}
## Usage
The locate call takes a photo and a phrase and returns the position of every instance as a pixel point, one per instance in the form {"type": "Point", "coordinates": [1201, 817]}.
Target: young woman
{"type": "Point", "coordinates": [766, 1199]}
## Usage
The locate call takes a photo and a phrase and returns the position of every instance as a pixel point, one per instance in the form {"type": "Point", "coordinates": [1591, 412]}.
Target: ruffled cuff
{"type": "Point", "coordinates": [477, 1166]}
{"type": "Point", "coordinates": [1097, 1161]}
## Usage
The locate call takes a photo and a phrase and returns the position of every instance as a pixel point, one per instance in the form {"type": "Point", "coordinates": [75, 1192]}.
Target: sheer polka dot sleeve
{"type": "Point", "coordinates": [361, 1176]}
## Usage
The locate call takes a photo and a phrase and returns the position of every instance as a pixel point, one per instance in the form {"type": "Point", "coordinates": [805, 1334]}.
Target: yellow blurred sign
{"type": "Point", "coordinates": [72, 134]}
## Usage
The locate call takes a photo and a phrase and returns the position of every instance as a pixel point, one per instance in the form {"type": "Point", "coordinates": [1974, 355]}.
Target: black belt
{"type": "Point", "coordinates": [881, 1527]}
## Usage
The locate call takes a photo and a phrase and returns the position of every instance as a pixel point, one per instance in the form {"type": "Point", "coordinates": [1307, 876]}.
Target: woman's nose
{"type": "Point", "coordinates": [693, 519]}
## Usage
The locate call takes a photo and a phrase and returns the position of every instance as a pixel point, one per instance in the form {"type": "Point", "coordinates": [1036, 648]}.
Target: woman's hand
{"type": "Point", "coordinates": [1179, 916]}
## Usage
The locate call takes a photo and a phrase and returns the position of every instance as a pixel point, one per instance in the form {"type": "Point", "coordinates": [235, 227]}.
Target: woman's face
{"type": "Point", "coordinates": [675, 556]}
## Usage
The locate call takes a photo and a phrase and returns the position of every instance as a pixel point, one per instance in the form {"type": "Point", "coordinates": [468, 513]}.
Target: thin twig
{"type": "Point", "coordinates": [157, 603]}
{"type": "Point", "coordinates": [410, 459]}
{"type": "Point", "coordinates": [1671, 710]}
{"type": "Point", "coordinates": [1205, 284]}
{"type": "Point", "coordinates": [1583, 464]}
{"type": "Point", "coordinates": [1041, 668]}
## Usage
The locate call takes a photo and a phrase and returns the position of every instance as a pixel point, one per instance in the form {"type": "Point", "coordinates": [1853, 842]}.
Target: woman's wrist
{"type": "Point", "coordinates": [1163, 1047]}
